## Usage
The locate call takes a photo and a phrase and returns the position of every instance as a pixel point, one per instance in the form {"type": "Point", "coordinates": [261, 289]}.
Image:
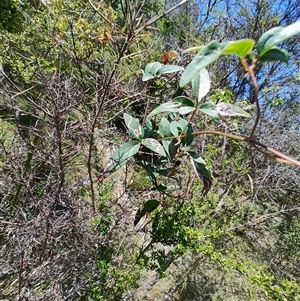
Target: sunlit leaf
{"type": "Point", "coordinates": [148, 207]}
{"type": "Point", "coordinates": [227, 109]}
{"type": "Point", "coordinates": [206, 56]}
{"type": "Point", "coordinates": [154, 145]}
{"type": "Point", "coordinates": [240, 48]}
{"type": "Point", "coordinates": [275, 36]}
{"type": "Point", "coordinates": [201, 84]}
{"type": "Point", "coordinates": [134, 127]}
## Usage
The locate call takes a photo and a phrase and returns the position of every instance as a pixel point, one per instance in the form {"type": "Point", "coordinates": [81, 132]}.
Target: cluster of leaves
{"type": "Point", "coordinates": [171, 137]}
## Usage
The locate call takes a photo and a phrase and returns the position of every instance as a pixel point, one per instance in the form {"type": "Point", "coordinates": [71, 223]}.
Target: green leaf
{"type": "Point", "coordinates": [240, 48]}
{"type": "Point", "coordinates": [201, 171]}
{"type": "Point", "coordinates": [206, 56]}
{"type": "Point", "coordinates": [209, 109]}
{"type": "Point", "coordinates": [123, 154]}
{"type": "Point", "coordinates": [170, 69]}
{"type": "Point", "coordinates": [201, 84]}
{"type": "Point", "coordinates": [275, 54]}
{"type": "Point", "coordinates": [148, 207]}
{"type": "Point", "coordinates": [227, 109]}
{"type": "Point", "coordinates": [275, 36]}
{"type": "Point", "coordinates": [155, 69]}
{"type": "Point", "coordinates": [180, 104]}
{"type": "Point", "coordinates": [154, 145]}
{"type": "Point", "coordinates": [174, 128]}
{"type": "Point", "coordinates": [187, 106]}
{"type": "Point", "coordinates": [165, 107]}
{"type": "Point", "coordinates": [164, 128]}
{"type": "Point", "coordinates": [151, 71]}
{"type": "Point", "coordinates": [194, 49]}
{"type": "Point", "coordinates": [134, 127]}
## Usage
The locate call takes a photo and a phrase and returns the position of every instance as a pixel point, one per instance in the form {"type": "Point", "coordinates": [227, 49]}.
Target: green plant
{"type": "Point", "coordinates": [167, 130]}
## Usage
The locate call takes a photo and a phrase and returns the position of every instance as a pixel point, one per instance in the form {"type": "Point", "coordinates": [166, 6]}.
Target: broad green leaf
{"type": "Point", "coordinates": [170, 69]}
{"type": "Point", "coordinates": [227, 109]}
{"type": "Point", "coordinates": [148, 207]}
{"type": "Point", "coordinates": [275, 54]}
{"type": "Point", "coordinates": [148, 128]}
{"type": "Point", "coordinates": [165, 107]}
{"type": "Point", "coordinates": [164, 128]}
{"type": "Point", "coordinates": [187, 106]}
{"type": "Point", "coordinates": [134, 127]}
{"type": "Point", "coordinates": [123, 154]}
{"type": "Point", "coordinates": [201, 170]}
{"type": "Point", "coordinates": [174, 128]}
{"type": "Point", "coordinates": [275, 36]}
{"type": "Point", "coordinates": [201, 84]}
{"type": "Point", "coordinates": [154, 145]}
{"type": "Point", "coordinates": [209, 109]}
{"type": "Point", "coordinates": [240, 48]}
{"type": "Point", "coordinates": [206, 56]}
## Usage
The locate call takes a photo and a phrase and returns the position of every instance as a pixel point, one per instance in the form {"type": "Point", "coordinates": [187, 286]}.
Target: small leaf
{"type": "Point", "coordinates": [164, 128]}
{"type": "Point", "coordinates": [275, 36]}
{"type": "Point", "coordinates": [227, 109]}
{"type": "Point", "coordinates": [201, 84]}
{"type": "Point", "coordinates": [275, 54]}
{"type": "Point", "coordinates": [170, 69]}
{"type": "Point", "coordinates": [170, 147]}
{"type": "Point", "coordinates": [134, 127]}
{"type": "Point", "coordinates": [151, 71]}
{"type": "Point", "coordinates": [206, 56]}
{"type": "Point", "coordinates": [209, 109]}
{"type": "Point", "coordinates": [240, 48]}
{"type": "Point", "coordinates": [154, 145]}
{"type": "Point", "coordinates": [121, 156]}
{"type": "Point", "coordinates": [148, 207]}
{"type": "Point", "coordinates": [124, 153]}
{"type": "Point", "coordinates": [201, 171]}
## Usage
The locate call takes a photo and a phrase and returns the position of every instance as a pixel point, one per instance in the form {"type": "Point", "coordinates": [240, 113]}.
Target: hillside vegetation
{"type": "Point", "coordinates": [149, 150]}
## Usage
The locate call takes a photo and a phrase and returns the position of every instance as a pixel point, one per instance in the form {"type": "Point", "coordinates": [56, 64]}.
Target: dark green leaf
{"type": "Point", "coordinates": [201, 171]}
{"type": "Point", "coordinates": [124, 153]}
{"type": "Point", "coordinates": [148, 207]}
{"type": "Point", "coordinates": [275, 54]}
{"type": "Point", "coordinates": [134, 127]}
{"type": "Point", "coordinates": [275, 36]}
{"type": "Point", "coordinates": [154, 145]}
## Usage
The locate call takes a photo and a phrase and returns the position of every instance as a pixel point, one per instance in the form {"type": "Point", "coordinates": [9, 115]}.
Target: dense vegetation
{"type": "Point", "coordinates": [149, 150]}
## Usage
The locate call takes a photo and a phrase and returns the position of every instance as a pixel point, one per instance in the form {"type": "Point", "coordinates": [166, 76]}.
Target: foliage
{"type": "Point", "coordinates": [105, 88]}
